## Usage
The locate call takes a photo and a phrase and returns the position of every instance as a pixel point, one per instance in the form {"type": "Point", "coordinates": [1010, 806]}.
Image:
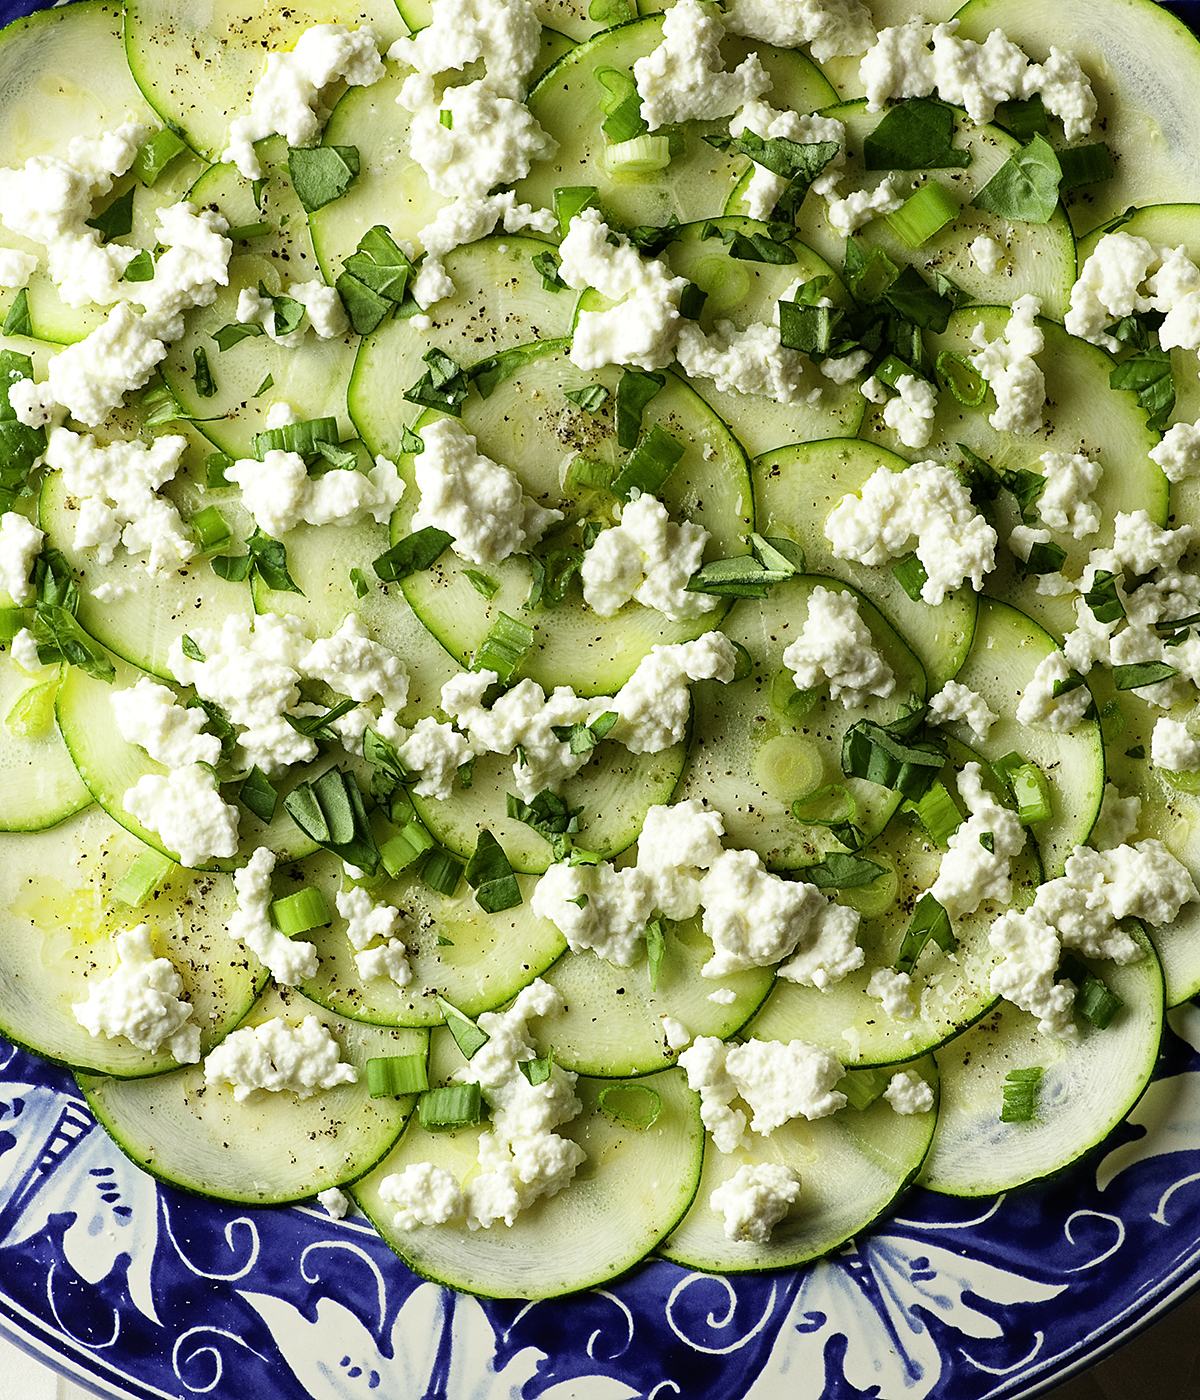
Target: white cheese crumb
{"type": "Point", "coordinates": [649, 558]}
{"type": "Point", "coordinates": [684, 78]}
{"type": "Point", "coordinates": [423, 1195]}
{"type": "Point", "coordinates": [1041, 707]}
{"type": "Point", "coordinates": [969, 872]}
{"type": "Point", "coordinates": [279, 493]}
{"type": "Point", "coordinates": [20, 545]}
{"type": "Point", "coordinates": [895, 991]}
{"type": "Point", "coordinates": [908, 1093]}
{"type": "Point", "coordinates": [1174, 747]}
{"type": "Point", "coordinates": [831, 28]}
{"type": "Point", "coordinates": [912, 412]}
{"type": "Point", "coordinates": [1179, 452]}
{"type": "Point", "coordinates": [336, 1202]}
{"type": "Point", "coordinates": [141, 1001]}
{"type": "Point", "coordinates": [187, 812]}
{"type": "Point", "coordinates": [288, 960]}
{"type": "Point", "coordinates": [987, 254]}
{"type": "Point", "coordinates": [1065, 502]}
{"type": "Point", "coordinates": [837, 647]}
{"type": "Point", "coordinates": [959, 702]}
{"type": "Point", "coordinates": [755, 1199]}
{"type": "Point", "coordinates": [1011, 372]}
{"type": "Point", "coordinates": [149, 714]}
{"type": "Point", "coordinates": [277, 1057]}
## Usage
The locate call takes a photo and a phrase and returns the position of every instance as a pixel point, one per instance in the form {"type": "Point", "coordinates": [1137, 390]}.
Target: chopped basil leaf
{"type": "Point", "coordinates": [234, 333]}
{"type": "Point", "coordinates": [754, 246]}
{"type": "Point", "coordinates": [649, 464]}
{"type": "Point", "coordinates": [117, 219]}
{"type": "Point", "coordinates": [1148, 374]}
{"type": "Point", "coordinates": [1140, 673]}
{"type": "Point", "coordinates": [1103, 598]}
{"type": "Point", "coordinates": [140, 268]}
{"type": "Point", "coordinates": [321, 174]}
{"type": "Point", "coordinates": [490, 874]}
{"type": "Point", "coordinates": [797, 162]}
{"type": "Point", "coordinates": [839, 871]}
{"type": "Point", "coordinates": [444, 387]}
{"type": "Point", "coordinates": [18, 322]}
{"type": "Point", "coordinates": [467, 1035]}
{"type": "Point", "coordinates": [914, 135]}
{"type": "Point", "coordinates": [635, 389]}
{"type": "Point", "coordinates": [258, 795]}
{"type": "Point", "coordinates": [808, 329]}
{"type": "Point", "coordinates": [930, 923]}
{"type": "Point", "coordinates": [411, 555]}
{"type": "Point", "coordinates": [547, 264]}
{"type": "Point", "coordinates": [320, 726]}
{"type": "Point", "coordinates": [205, 384]}
{"type": "Point", "coordinates": [1085, 165]}
{"type": "Point", "coordinates": [190, 649]}
{"type": "Point", "coordinates": [916, 301]}
{"type": "Point", "coordinates": [1027, 117]}
{"type": "Point", "coordinates": [880, 755]}
{"type": "Point", "coordinates": [330, 810]}
{"type": "Point", "coordinates": [590, 398]}
{"type": "Point", "coordinates": [1026, 185]}
{"type": "Point", "coordinates": [550, 816]}
{"type": "Point", "coordinates": [1045, 557]}
{"type": "Point", "coordinates": [365, 308]}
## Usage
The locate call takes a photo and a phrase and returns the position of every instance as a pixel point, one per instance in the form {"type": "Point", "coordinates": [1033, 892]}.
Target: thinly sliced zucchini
{"type": "Point", "coordinates": [198, 62]}
{"type": "Point", "coordinates": [58, 921]}
{"type": "Point", "coordinates": [567, 104]}
{"type": "Point", "coordinates": [633, 1188]}
{"type": "Point", "coordinates": [951, 989]}
{"type": "Point", "coordinates": [473, 959]}
{"type": "Point", "coordinates": [612, 1024]}
{"type": "Point", "coordinates": [743, 293]}
{"type": "Point", "coordinates": [757, 749]}
{"type": "Point", "coordinates": [852, 1166]}
{"type": "Point", "coordinates": [280, 1148]}
{"type": "Point", "coordinates": [528, 425]}
{"type": "Point", "coordinates": [796, 488]}
{"type": "Point", "coordinates": [1007, 649]}
{"type": "Point", "coordinates": [1086, 417]}
{"type": "Point", "coordinates": [39, 784]}
{"type": "Point", "coordinates": [1085, 1091]}
{"type": "Point", "coordinates": [1143, 65]}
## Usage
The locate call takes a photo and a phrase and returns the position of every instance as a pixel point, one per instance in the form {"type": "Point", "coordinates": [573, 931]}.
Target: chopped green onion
{"type": "Point", "coordinates": [243, 233]}
{"type": "Point", "coordinates": [453, 1106]}
{"type": "Point", "coordinates": [503, 648]}
{"type": "Point", "coordinates": [481, 583]}
{"type": "Point", "coordinates": [570, 200]}
{"type": "Point", "coordinates": [211, 528]}
{"type": "Point", "coordinates": [389, 1076]}
{"type": "Point", "coordinates": [142, 878]}
{"type": "Point", "coordinates": [840, 822]}
{"type": "Point", "coordinates": [961, 377]}
{"type": "Point", "coordinates": [409, 844]}
{"type": "Point", "coordinates": [467, 1035]}
{"type": "Point", "coordinates": [656, 947]}
{"type": "Point", "coordinates": [206, 386]}
{"type": "Point", "coordinates": [924, 213]}
{"type": "Point", "coordinates": [1094, 1001]}
{"type": "Point", "coordinates": [155, 154]}
{"type": "Point", "coordinates": [649, 464]}
{"type": "Point", "coordinates": [297, 913]}
{"type": "Point", "coordinates": [1085, 165]}
{"type": "Point", "coordinates": [743, 666]}
{"type": "Point", "coordinates": [938, 814]}
{"type": "Point", "coordinates": [792, 703]}
{"type": "Point", "coordinates": [863, 1086]}
{"type": "Point", "coordinates": [1020, 1094]}
{"type": "Point", "coordinates": [808, 329]}
{"type": "Point", "coordinates": [635, 1104]}
{"type": "Point", "coordinates": [304, 438]}
{"type": "Point", "coordinates": [930, 923]}
{"type": "Point", "coordinates": [586, 474]}
{"type": "Point", "coordinates": [911, 575]}
{"type": "Point", "coordinates": [258, 795]}
{"type": "Point", "coordinates": [621, 105]}
{"type": "Point", "coordinates": [441, 872]}
{"type": "Point", "coordinates": [642, 155]}
{"type": "Point", "coordinates": [1029, 787]}
{"type": "Point", "coordinates": [12, 620]}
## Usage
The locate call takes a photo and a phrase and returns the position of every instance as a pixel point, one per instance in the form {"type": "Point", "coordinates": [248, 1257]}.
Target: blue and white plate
{"type": "Point", "coordinates": [145, 1291]}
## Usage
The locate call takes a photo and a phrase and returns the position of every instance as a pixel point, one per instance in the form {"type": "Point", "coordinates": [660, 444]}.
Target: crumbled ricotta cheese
{"type": "Point", "coordinates": [116, 486]}
{"type": "Point", "coordinates": [436, 751]}
{"type": "Point", "coordinates": [287, 99]}
{"type": "Point", "coordinates": [970, 872]}
{"type": "Point", "coordinates": [335, 1202]}
{"type": "Point", "coordinates": [831, 28]}
{"type": "Point", "coordinates": [479, 503]}
{"type": "Point", "coordinates": [1040, 706]}
{"type": "Point", "coordinates": [464, 221]}
{"type": "Point", "coordinates": [91, 377]}
{"type": "Point", "coordinates": [776, 1080]}
{"type": "Point", "coordinates": [279, 493]}
{"type": "Point", "coordinates": [654, 702]}
{"type": "Point", "coordinates": [911, 412]}
{"type": "Point", "coordinates": [836, 646]}
{"type": "Point", "coordinates": [753, 917]}
{"type": "Point", "coordinates": [755, 1199]}
{"type": "Point", "coordinates": [20, 545]}
{"type": "Point", "coordinates": [1025, 976]}
{"type": "Point", "coordinates": [424, 1195]}
{"type": "Point", "coordinates": [24, 651]}
{"type": "Point", "coordinates": [141, 1000]}
{"type": "Point", "coordinates": [959, 702]}
{"type": "Point", "coordinates": [596, 907]}
{"type": "Point", "coordinates": [831, 954]}
{"type": "Point", "coordinates": [918, 58]}
{"type": "Point", "coordinates": [848, 213]}
{"type": "Point", "coordinates": [926, 506]}
{"type": "Point", "coordinates": [187, 812]}
{"type": "Point", "coordinates": [684, 78]}
{"type": "Point", "coordinates": [1125, 275]}
{"type": "Point", "coordinates": [505, 34]}
{"type": "Point", "coordinates": [354, 665]}
{"type": "Point", "coordinates": [1174, 747]}
{"type": "Point", "coordinates": [895, 991]}
{"type": "Point", "coordinates": [752, 361]}
{"type": "Point", "coordinates": [288, 960]}
{"type": "Point", "coordinates": [677, 844]}
{"type": "Point", "coordinates": [277, 1057]}
{"type": "Point", "coordinates": [677, 1035]}
{"type": "Point", "coordinates": [16, 267]}
{"type": "Point", "coordinates": [766, 188]}
{"type": "Point", "coordinates": [1179, 452]}
{"type": "Point", "coordinates": [643, 327]}
{"type": "Point", "coordinates": [649, 558]}
{"type": "Point", "coordinates": [367, 921]}
{"type": "Point", "coordinates": [987, 255]}
{"type": "Point", "coordinates": [1118, 819]}
{"type": "Point", "coordinates": [1065, 502]}
{"type": "Point", "coordinates": [1141, 546]}
{"type": "Point", "coordinates": [1011, 372]}
{"type": "Point", "coordinates": [490, 140]}
{"type": "Point", "coordinates": [150, 715]}
{"type": "Point", "coordinates": [907, 1092]}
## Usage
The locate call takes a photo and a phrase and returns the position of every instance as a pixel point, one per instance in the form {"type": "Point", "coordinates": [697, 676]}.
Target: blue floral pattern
{"type": "Point", "coordinates": [149, 1290]}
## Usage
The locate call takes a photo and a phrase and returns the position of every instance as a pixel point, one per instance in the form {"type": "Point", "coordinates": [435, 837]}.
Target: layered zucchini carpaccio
{"type": "Point", "coordinates": [599, 650]}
